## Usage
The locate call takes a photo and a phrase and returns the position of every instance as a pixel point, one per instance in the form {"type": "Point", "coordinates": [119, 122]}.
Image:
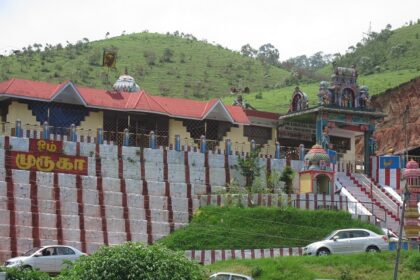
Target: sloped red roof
{"type": "Point", "coordinates": [29, 89]}
{"type": "Point", "coordinates": [143, 102]}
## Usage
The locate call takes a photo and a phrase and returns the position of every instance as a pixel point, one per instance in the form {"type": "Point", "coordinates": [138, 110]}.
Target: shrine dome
{"type": "Point", "coordinates": [412, 169]}
{"type": "Point", "coordinates": [126, 83]}
{"type": "Point", "coordinates": [316, 157]}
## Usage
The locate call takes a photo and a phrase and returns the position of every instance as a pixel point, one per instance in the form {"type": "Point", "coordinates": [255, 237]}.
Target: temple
{"type": "Point", "coordinates": [127, 108]}
{"type": "Point", "coordinates": [88, 167]}
{"type": "Point", "coordinates": [341, 115]}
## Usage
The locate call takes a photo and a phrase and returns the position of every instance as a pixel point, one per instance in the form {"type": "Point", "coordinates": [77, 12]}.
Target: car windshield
{"type": "Point", "coordinates": [329, 236]}
{"type": "Point", "coordinates": [30, 252]}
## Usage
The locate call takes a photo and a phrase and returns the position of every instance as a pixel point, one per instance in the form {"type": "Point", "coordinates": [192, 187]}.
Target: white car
{"type": "Point", "coordinates": [346, 241]}
{"type": "Point", "coordinates": [47, 258]}
{"type": "Point", "coordinates": [229, 276]}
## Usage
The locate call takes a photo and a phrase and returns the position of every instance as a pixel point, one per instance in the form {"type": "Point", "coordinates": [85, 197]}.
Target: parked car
{"type": "Point", "coordinates": [392, 237]}
{"type": "Point", "coordinates": [47, 258]}
{"type": "Point", "coordinates": [346, 241]}
{"type": "Point", "coordinates": [229, 276]}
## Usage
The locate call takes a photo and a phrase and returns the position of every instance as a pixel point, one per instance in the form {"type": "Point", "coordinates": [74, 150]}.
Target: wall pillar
{"type": "Point", "coordinates": [367, 135]}
{"type": "Point", "coordinates": [320, 124]}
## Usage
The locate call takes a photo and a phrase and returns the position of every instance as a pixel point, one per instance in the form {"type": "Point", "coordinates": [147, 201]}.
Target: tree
{"type": "Point", "coordinates": [133, 261]}
{"type": "Point", "coordinates": [247, 50]}
{"type": "Point", "coordinates": [287, 177]}
{"type": "Point", "coordinates": [167, 55]}
{"type": "Point", "coordinates": [150, 57]}
{"type": "Point", "coordinates": [317, 61]}
{"type": "Point", "coordinates": [250, 167]}
{"type": "Point", "coordinates": [268, 54]}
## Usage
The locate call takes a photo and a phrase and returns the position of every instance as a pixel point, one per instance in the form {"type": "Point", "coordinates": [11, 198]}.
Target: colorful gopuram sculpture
{"type": "Point", "coordinates": [411, 216]}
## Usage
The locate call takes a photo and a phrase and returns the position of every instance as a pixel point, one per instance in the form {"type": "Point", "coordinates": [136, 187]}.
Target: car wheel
{"type": "Point", "coordinates": [323, 252]}
{"type": "Point", "coordinates": [372, 249]}
{"type": "Point", "coordinates": [26, 267]}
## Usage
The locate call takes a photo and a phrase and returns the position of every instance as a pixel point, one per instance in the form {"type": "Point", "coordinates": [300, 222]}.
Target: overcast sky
{"type": "Point", "coordinates": [294, 27]}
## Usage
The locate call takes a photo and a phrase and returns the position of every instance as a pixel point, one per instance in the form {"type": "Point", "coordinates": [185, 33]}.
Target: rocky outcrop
{"type": "Point", "coordinates": [390, 132]}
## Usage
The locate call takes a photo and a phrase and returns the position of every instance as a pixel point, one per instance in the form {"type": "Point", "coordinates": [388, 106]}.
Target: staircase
{"type": "Point", "coordinates": [372, 198]}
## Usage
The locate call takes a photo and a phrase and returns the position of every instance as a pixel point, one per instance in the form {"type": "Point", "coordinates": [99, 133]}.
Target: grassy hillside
{"type": "Point", "coordinates": [246, 228]}
{"type": "Point", "coordinates": [161, 64]}
{"type": "Point", "coordinates": [360, 267]}
{"type": "Point", "coordinates": [278, 100]}
{"type": "Point", "coordinates": [384, 60]}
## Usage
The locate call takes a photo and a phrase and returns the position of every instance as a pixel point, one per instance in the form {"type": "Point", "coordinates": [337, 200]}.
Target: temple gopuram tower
{"type": "Point", "coordinates": [411, 216]}
{"type": "Point", "coordinates": [341, 114]}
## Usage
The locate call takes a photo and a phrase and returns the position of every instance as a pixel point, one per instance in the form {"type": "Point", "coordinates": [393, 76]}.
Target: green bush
{"type": "Point", "coordinates": [133, 261]}
{"type": "Point", "coordinates": [25, 274]}
{"type": "Point", "coordinates": [413, 262]}
{"type": "Point", "coordinates": [256, 271]}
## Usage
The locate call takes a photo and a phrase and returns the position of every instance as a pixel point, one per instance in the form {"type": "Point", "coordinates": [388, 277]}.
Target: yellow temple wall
{"type": "Point", "coordinates": [305, 183]}
{"type": "Point", "coordinates": [240, 143]}
{"type": "Point", "coordinates": [177, 128]}
{"type": "Point", "coordinates": [92, 122]}
{"type": "Point", "coordinates": [20, 111]}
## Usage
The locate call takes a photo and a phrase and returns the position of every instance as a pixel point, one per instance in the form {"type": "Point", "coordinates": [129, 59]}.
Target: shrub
{"type": "Point", "coordinates": [256, 271]}
{"type": "Point", "coordinates": [287, 177]}
{"type": "Point", "coordinates": [413, 262]}
{"type": "Point", "coordinates": [133, 261]}
{"type": "Point", "coordinates": [25, 274]}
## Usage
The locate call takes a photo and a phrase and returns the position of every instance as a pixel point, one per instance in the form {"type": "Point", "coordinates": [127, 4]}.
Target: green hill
{"type": "Point", "coordinates": [171, 65]}
{"type": "Point", "coordinates": [261, 227]}
{"type": "Point", "coordinates": [384, 60]}
{"type": "Point", "coordinates": [278, 100]}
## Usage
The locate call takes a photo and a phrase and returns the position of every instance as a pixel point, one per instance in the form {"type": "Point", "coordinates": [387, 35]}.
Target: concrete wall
{"type": "Point", "coordinates": [128, 193]}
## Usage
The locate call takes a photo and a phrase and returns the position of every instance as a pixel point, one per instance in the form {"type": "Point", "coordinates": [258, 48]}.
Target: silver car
{"type": "Point", "coordinates": [229, 276]}
{"type": "Point", "coordinates": [47, 258]}
{"type": "Point", "coordinates": [346, 241]}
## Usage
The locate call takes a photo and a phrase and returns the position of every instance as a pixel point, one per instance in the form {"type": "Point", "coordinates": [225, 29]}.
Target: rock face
{"type": "Point", "coordinates": [390, 132]}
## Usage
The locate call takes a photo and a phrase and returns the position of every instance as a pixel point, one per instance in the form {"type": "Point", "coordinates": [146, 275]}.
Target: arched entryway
{"type": "Point", "coordinates": [322, 184]}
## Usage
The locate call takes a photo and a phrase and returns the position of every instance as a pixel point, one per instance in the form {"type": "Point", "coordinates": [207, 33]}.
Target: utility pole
{"type": "Point", "coordinates": [405, 120]}
{"type": "Point", "coordinates": [405, 195]}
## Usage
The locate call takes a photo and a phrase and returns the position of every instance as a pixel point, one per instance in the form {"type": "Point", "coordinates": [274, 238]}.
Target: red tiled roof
{"type": "Point", "coordinates": [100, 98]}
{"type": "Point", "coordinates": [262, 114]}
{"type": "Point", "coordinates": [29, 89]}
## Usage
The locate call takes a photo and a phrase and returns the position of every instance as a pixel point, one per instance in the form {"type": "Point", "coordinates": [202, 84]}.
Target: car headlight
{"type": "Point", "coordinates": [11, 263]}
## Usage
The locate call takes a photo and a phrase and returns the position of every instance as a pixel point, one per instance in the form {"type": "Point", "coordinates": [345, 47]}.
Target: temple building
{"type": "Point", "coordinates": [127, 106]}
{"type": "Point", "coordinates": [341, 115]}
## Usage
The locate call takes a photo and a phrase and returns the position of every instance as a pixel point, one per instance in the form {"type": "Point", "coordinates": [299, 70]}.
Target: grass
{"type": "Point", "coordinates": [196, 69]}
{"type": "Point", "coordinates": [345, 267]}
{"type": "Point", "coordinates": [260, 227]}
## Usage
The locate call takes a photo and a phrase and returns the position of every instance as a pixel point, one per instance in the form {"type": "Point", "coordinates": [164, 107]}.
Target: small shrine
{"type": "Point", "coordinates": [300, 101]}
{"type": "Point", "coordinates": [411, 217]}
{"type": "Point", "coordinates": [316, 175]}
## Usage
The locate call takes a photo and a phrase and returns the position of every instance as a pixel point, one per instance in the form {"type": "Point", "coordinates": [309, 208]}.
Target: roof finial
{"type": "Point", "coordinates": [126, 70]}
